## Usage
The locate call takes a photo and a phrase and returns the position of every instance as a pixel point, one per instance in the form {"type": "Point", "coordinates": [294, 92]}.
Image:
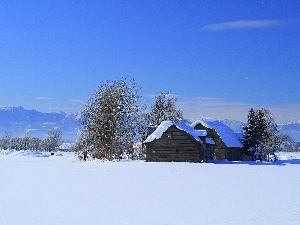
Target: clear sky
{"type": "Point", "coordinates": [218, 57]}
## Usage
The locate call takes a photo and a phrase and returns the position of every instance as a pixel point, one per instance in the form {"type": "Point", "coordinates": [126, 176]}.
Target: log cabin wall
{"type": "Point", "coordinates": [174, 145]}
{"type": "Point", "coordinates": [235, 154]}
{"type": "Point", "coordinates": [220, 150]}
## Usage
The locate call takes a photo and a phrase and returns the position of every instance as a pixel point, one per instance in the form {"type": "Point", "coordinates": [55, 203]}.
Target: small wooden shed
{"type": "Point", "coordinates": [174, 142]}
{"type": "Point", "coordinates": [227, 145]}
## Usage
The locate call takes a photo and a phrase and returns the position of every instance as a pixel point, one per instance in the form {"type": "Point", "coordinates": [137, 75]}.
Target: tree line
{"type": "Point", "coordinates": [114, 119]}
{"type": "Point", "coordinates": [28, 142]}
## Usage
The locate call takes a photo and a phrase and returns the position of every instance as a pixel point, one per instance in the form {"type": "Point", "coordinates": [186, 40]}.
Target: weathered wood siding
{"type": "Point", "coordinates": [174, 146]}
{"type": "Point", "coordinates": [234, 154]}
{"type": "Point", "coordinates": [209, 152]}
{"type": "Point", "coordinates": [220, 150]}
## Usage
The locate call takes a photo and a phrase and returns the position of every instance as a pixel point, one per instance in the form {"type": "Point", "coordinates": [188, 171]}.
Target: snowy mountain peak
{"type": "Point", "coordinates": [17, 120]}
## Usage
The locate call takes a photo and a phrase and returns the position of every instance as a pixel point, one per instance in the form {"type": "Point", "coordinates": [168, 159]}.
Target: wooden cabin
{"type": "Point", "coordinates": [173, 142]}
{"type": "Point", "coordinates": [227, 145]}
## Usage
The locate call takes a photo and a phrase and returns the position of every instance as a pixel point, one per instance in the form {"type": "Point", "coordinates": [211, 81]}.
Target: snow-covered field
{"type": "Point", "coordinates": [37, 189]}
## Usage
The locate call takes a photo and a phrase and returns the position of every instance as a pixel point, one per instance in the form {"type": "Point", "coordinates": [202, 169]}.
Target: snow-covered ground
{"type": "Point", "coordinates": [37, 188]}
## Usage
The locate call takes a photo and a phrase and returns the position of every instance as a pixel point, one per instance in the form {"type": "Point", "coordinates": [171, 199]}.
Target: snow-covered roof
{"type": "Point", "coordinates": [227, 134]}
{"type": "Point", "coordinates": [186, 128]}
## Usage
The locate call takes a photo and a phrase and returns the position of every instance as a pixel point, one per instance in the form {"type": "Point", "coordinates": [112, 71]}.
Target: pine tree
{"type": "Point", "coordinates": [261, 137]}
{"type": "Point", "coordinates": [249, 134]}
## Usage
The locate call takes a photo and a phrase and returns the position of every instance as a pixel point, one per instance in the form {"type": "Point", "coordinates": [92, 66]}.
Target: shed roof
{"type": "Point", "coordinates": [166, 124]}
{"type": "Point", "coordinates": [226, 133]}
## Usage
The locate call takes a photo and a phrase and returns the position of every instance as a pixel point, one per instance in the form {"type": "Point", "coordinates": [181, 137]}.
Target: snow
{"type": "Point", "coordinates": [66, 146]}
{"type": "Point", "coordinates": [166, 124]}
{"type": "Point", "coordinates": [227, 134]}
{"type": "Point", "coordinates": [61, 190]}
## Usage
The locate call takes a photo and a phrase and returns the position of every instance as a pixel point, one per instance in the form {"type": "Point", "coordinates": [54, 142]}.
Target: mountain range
{"type": "Point", "coordinates": [291, 129]}
{"type": "Point", "coordinates": [17, 121]}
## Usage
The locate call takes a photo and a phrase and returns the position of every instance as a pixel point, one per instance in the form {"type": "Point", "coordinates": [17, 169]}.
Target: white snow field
{"type": "Point", "coordinates": [59, 190]}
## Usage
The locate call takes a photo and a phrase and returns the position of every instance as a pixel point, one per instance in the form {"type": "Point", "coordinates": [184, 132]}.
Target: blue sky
{"type": "Point", "coordinates": [218, 57]}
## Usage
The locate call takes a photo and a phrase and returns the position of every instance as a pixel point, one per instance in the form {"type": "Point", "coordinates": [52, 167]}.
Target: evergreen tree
{"type": "Point", "coordinates": [261, 137]}
{"type": "Point", "coordinates": [249, 133]}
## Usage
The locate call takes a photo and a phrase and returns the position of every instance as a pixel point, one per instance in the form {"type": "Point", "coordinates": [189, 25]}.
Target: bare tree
{"type": "Point", "coordinates": [34, 143]}
{"type": "Point", "coordinates": [5, 141]}
{"type": "Point", "coordinates": [109, 119]}
{"type": "Point", "coordinates": [25, 140]}
{"type": "Point", "coordinates": [164, 108]}
{"type": "Point", "coordinates": [52, 141]}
